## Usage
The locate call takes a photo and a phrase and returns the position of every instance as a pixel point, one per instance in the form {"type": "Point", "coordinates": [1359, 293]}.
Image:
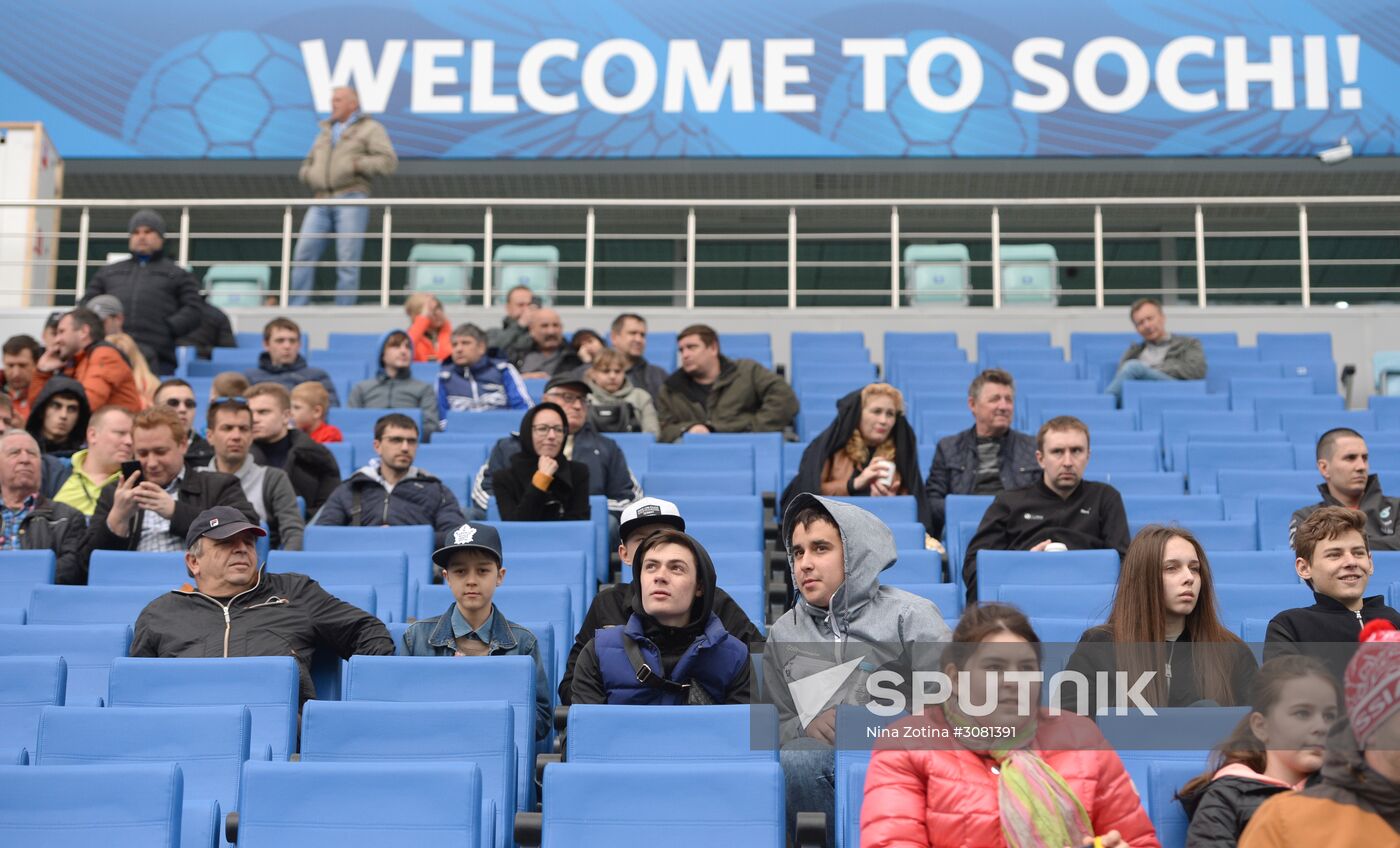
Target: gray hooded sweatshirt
{"type": "Point", "coordinates": [884, 626]}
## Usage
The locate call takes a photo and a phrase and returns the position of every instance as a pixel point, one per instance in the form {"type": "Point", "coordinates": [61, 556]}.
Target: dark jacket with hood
{"type": "Point", "coordinates": [1351, 805]}
{"type": "Point", "coordinates": [1091, 517]}
{"type": "Point", "coordinates": [700, 653]}
{"type": "Point", "coordinates": [1097, 652]}
{"type": "Point", "coordinates": [283, 614]}
{"type": "Point", "coordinates": [57, 527]}
{"type": "Point", "coordinates": [745, 398]}
{"type": "Point", "coordinates": [419, 498]}
{"type": "Point", "coordinates": [214, 330]}
{"type": "Point", "coordinates": [954, 470]}
{"type": "Point", "coordinates": [881, 625]}
{"type": "Point", "coordinates": [35, 425]}
{"type": "Point", "coordinates": [608, 474]}
{"type": "Point", "coordinates": [612, 607]}
{"type": "Point", "coordinates": [401, 391]}
{"type": "Point", "coordinates": [517, 496]}
{"type": "Point", "coordinates": [291, 375]}
{"type": "Point", "coordinates": [1220, 810]}
{"type": "Point", "coordinates": [1326, 630]}
{"type": "Point", "coordinates": [1382, 515]}
{"type": "Point", "coordinates": [311, 467]}
{"type": "Point", "coordinates": [160, 300]}
{"type": "Point", "coordinates": [834, 438]}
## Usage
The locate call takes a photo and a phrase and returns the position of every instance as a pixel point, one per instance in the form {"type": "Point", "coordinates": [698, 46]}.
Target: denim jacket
{"type": "Point", "coordinates": [432, 637]}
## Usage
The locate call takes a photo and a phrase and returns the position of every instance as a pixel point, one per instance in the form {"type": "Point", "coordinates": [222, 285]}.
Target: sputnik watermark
{"type": "Point", "coordinates": [1114, 692]}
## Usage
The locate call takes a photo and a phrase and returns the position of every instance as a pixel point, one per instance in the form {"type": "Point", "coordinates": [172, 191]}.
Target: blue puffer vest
{"type": "Point", "coordinates": [713, 660]}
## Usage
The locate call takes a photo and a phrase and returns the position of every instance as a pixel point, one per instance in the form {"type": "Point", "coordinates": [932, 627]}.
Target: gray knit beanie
{"type": "Point", "coordinates": [147, 218]}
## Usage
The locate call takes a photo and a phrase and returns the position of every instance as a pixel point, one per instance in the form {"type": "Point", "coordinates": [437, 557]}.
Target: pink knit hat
{"type": "Point", "coordinates": [1373, 679]}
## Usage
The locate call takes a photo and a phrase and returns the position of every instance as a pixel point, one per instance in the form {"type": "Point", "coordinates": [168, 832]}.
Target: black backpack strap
{"type": "Point", "coordinates": [645, 675]}
{"type": "Point", "coordinates": [356, 507]}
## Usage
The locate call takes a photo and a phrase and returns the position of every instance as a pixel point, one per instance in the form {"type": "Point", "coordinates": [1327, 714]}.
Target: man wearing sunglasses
{"type": "Point", "coordinates": [179, 396]}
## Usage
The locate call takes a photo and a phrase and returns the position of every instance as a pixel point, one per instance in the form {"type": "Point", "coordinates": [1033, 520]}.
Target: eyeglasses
{"type": "Point", "coordinates": [176, 403]}
{"type": "Point", "coordinates": [547, 429]}
{"type": "Point", "coordinates": [566, 398]}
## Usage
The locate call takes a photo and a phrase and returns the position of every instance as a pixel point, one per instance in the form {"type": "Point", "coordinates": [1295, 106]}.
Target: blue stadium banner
{"type": "Point", "coordinates": [544, 79]}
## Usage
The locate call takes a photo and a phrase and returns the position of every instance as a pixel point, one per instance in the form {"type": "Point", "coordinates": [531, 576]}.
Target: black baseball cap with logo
{"type": "Point", "coordinates": [219, 522]}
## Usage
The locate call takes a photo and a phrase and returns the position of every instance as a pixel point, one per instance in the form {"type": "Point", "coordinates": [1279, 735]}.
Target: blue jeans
{"type": "Point", "coordinates": [809, 782]}
{"type": "Point", "coordinates": [311, 243]}
{"type": "Point", "coordinates": [1133, 369]}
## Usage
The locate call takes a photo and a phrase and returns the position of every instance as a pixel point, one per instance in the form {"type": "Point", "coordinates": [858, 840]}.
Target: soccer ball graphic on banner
{"type": "Point", "coordinates": [905, 128]}
{"type": "Point", "coordinates": [234, 94]}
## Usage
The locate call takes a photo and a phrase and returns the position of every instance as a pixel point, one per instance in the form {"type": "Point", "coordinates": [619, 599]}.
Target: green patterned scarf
{"type": "Point", "coordinates": [1038, 808]}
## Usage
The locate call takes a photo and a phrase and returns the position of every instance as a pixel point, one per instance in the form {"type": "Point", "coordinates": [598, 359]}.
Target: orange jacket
{"type": "Point", "coordinates": [935, 793]}
{"type": "Point", "coordinates": [106, 377]}
{"type": "Point", "coordinates": [425, 349]}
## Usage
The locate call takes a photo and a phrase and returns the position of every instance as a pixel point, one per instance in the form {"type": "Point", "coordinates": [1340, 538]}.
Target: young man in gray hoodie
{"type": "Point", "coordinates": [836, 552]}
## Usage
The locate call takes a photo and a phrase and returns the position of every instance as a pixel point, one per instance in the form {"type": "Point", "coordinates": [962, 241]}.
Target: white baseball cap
{"type": "Point", "coordinates": [649, 511]}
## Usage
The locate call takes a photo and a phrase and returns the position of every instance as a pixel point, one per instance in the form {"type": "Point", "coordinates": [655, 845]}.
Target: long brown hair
{"type": "Point", "coordinates": [1242, 746]}
{"type": "Point", "coordinates": [1138, 621]}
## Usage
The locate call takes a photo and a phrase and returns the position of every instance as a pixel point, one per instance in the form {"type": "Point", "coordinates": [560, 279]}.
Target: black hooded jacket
{"type": "Point", "coordinates": [516, 494]}
{"type": "Point", "coordinates": [834, 438]}
{"type": "Point", "coordinates": [161, 302]}
{"type": "Point", "coordinates": [1220, 810]}
{"type": "Point", "coordinates": [671, 642]}
{"type": "Point", "coordinates": [35, 425]}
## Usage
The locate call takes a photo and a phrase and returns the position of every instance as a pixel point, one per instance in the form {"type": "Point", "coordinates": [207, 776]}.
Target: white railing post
{"type": "Point", "coordinates": [792, 257]}
{"type": "Point", "coordinates": [996, 258]}
{"type": "Point", "coordinates": [488, 237]}
{"type": "Point", "coordinates": [385, 255]}
{"type": "Point", "coordinates": [1304, 257]}
{"type": "Point", "coordinates": [1098, 257]}
{"type": "Point", "coordinates": [184, 261]}
{"type": "Point", "coordinates": [690, 259]}
{"type": "Point", "coordinates": [1200, 258]}
{"type": "Point", "coordinates": [84, 227]}
{"type": "Point", "coordinates": [285, 295]}
{"type": "Point", "coordinates": [894, 257]}
{"type": "Point", "coordinates": [588, 259]}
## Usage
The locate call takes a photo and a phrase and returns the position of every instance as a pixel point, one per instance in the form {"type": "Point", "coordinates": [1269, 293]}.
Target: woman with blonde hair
{"type": "Point", "coordinates": [870, 449]}
{"type": "Point", "coordinates": [146, 380]}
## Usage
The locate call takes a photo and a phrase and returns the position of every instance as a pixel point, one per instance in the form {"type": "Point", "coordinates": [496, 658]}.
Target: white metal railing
{"type": "Point", "coordinates": [1091, 208]}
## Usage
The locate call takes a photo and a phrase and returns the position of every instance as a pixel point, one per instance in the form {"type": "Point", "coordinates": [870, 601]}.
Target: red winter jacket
{"type": "Point", "coordinates": [935, 793]}
{"type": "Point", "coordinates": [437, 349]}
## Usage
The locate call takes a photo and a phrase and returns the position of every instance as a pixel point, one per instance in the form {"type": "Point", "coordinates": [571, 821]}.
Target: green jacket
{"type": "Point", "coordinates": [747, 398]}
{"type": "Point", "coordinates": [1185, 358]}
{"type": "Point", "coordinates": [364, 152]}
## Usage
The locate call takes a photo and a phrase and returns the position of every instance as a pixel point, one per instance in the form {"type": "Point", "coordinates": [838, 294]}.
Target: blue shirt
{"type": "Point", "coordinates": [10, 522]}
{"type": "Point", "coordinates": [338, 128]}
{"type": "Point", "coordinates": [462, 628]}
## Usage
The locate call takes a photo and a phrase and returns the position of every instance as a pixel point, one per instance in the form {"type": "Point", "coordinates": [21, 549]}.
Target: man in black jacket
{"type": "Point", "coordinates": [1345, 464]}
{"type": "Point", "coordinates": [312, 469]}
{"type": "Point", "coordinates": [1061, 509]}
{"type": "Point", "coordinates": [987, 459]}
{"type": "Point", "coordinates": [153, 508]}
{"type": "Point", "coordinates": [28, 520]}
{"type": "Point", "coordinates": [214, 330]}
{"type": "Point", "coordinates": [1335, 561]}
{"type": "Point", "coordinates": [238, 610]}
{"type": "Point", "coordinates": [160, 299]}
{"type": "Point", "coordinates": [613, 606]}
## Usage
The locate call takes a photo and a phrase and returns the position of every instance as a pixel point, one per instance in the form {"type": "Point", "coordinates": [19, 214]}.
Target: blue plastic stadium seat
{"type": "Point", "coordinates": [1151, 407]}
{"type": "Point", "coordinates": [1142, 482]}
{"type": "Point", "coordinates": [444, 270]}
{"type": "Point", "coordinates": [936, 273]}
{"type": "Point", "coordinates": [470, 679]}
{"type": "Point", "coordinates": [416, 541]}
{"type": "Point", "coordinates": [1206, 459]}
{"type": "Point", "coordinates": [767, 454]}
{"type": "Point", "coordinates": [497, 423]}
{"type": "Point", "coordinates": [1215, 535]}
{"type": "Point", "coordinates": [267, 686]}
{"type": "Point", "coordinates": [1165, 780]}
{"type": "Point", "coordinates": [27, 686]}
{"type": "Point", "coordinates": [1263, 567]}
{"type": "Point", "coordinates": [238, 286]}
{"type": "Point", "coordinates": [138, 568]}
{"type": "Point", "coordinates": [990, 340]}
{"type": "Point", "coordinates": [1169, 509]}
{"type": "Point", "coordinates": [518, 537]}
{"type": "Point", "coordinates": [727, 536]}
{"type": "Point", "coordinates": [897, 509]}
{"type": "Point", "coordinates": [935, 425]}
{"type": "Point", "coordinates": [1241, 601]}
{"type": "Point", "coordinates": [90, 604]}
{"type": "Point", "coordinates": [87, 649]}
{"type": "Point", "coordinates": [579, 816]}
{"type": "Point", "coordinates": [127, 806]}
{"type": "Point", "coordinates": [664, 484]}
{"type": "Point", "coordinates": [1028, 274]}
{"type": "Point", "coordinates": [1028, 367]}
{"type": "Point", "coordinates": [850, 795]}
{"type": "Point", "coordinates": [1274, 513]}
{"type": "Point", "coordinates": [915, 565]}
{"type": "Point", "coordinates": [1240, 487]}
{"type": "Point", "coordinates": [1244, 390]}
{"type": "Point", "coordinates": [1286, 345]}
{"type": "Point", "coordinates": [1220, 375]}
{"type": "Point", "coordinates": [1091, 601]}
{"type": "Point", "coordinates": [1054, 568]}
{"type": "Point", "coordinates": [372, 732]}
{"type": "Point", "coordinates": [569, 569]}
{"type": "Point", "coordinates": [385, 571]}
{"type": "Point", "coordinates": [946, 596]}
{"type": "Point", "coordinates": [1271, 413]}
{"type": "Point", "coordinates": [610, 734]}
{"type": "Point", "coordinates": [709, 508]}
{"type": "Point", "coordinates": [20, 572]}
{"type": "Point", "coordinates": [1107, 459]}
{"type": "Point", "coordinates": [349, 418]}
{"type": "Point", "coordinates": [1063, 631]}
{"type": "Point", "coordinates": [338, 805]}
{"type": "Point", "coordinates": [209, 744]}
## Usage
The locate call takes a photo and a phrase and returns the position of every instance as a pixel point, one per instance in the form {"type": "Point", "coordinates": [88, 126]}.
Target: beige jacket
{"type": "Point", "coordinates": [364, 152]}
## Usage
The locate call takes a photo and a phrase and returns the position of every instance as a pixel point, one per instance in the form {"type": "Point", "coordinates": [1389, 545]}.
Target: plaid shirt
{"type": "Point", "coordinates": [11, 520]}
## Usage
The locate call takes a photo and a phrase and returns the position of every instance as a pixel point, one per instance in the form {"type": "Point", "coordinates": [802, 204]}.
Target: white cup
{"type": "Point", "coordinates": [1056, 546]}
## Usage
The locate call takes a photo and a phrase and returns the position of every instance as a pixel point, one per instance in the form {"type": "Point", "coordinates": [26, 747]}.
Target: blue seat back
{"type": "Point", "coordinates": [138, 568]}
{"type": "Point", "coordinates": [1264, 567]}
{"type": "Point", "coordinates": [1033, 567]}
{"type": "Point", "coordinates": [414, 540]}
{"type": "Point", "coordinates": [417, 679]}
{"type": "Point", "coordinates": [1215, 535]}
{"type": "Point", "coordinates": [90, 604]}
{"type": "Point", "coordinates": [608, 733]}
{"type": "Point", "coordinates": [366, 731]}
{"type": "Point", "coordinates": [1205, 459]}
{"type": "Point", "coordinates": [850, 796]}
{"type": "Point", "coordinates": [563, 536]}
{"type": "Point", "coordinates": [20, 572]}
{"type": "Point", "coordinates": [1142, 482]}
{"type": "Point", "coordinates": [27, 686]}
{"type": "Point", "coordinates": [1164, 780]}
{"type": "Point", "coordinates": [267, 686]}
{"type": "Point", "coordinates": [947, 597]}
{"type": "Point", "coordinates": [727, 536]}
{"type": "Point", "coordinates": [901, 509]}
{"type": "Point", "coordinates": [1171, 509]}
{"type": "Point", "coordinates": [579, 816]}
{"type": "Point", "coordinates": [126, 806]}
{"type": "Point", "coordinates": [87, 649]}
{"type": "Point", "coordinates": [1091, 601]}
{"type": "Point", "coordinates": [210, 744]}
{"type": "Point", "coordinates": [386, 571]}
{"type": "Point", "coordinates": [664, 484]}
{"type": "Point", "coordinates": [357, 805]}
{"type": "Point", "coordinates": [1241, 601]}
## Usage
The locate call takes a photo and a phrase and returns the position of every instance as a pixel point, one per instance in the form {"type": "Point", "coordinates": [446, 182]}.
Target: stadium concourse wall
{"type": "Point", "coordinates": [1357, 332]}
